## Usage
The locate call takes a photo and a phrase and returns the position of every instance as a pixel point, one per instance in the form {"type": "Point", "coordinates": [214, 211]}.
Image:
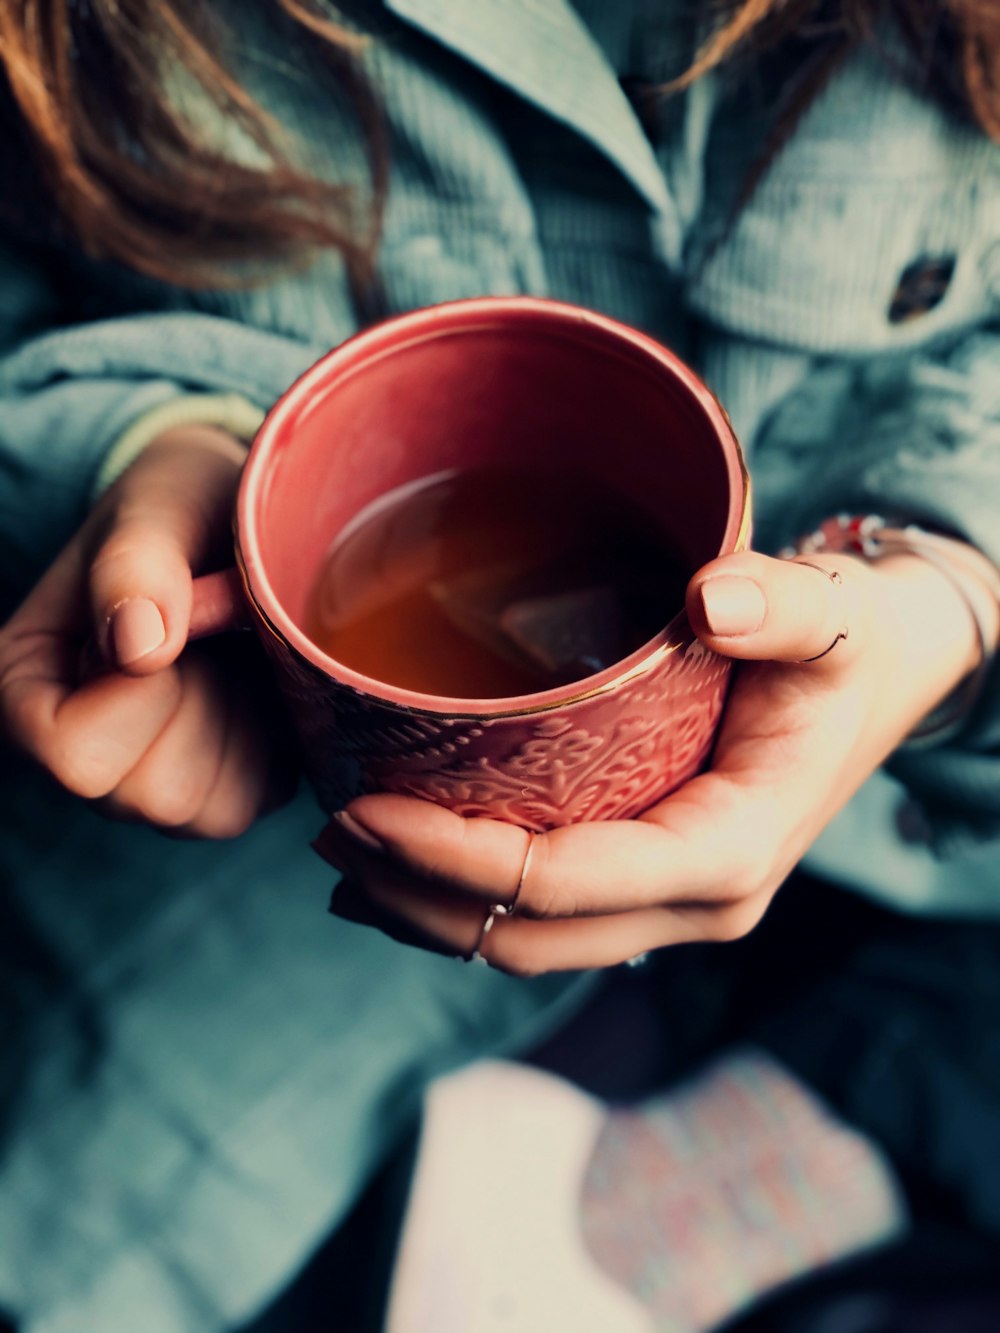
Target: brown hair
{"type": "Point", "coordinates": [135, 180]}
{"type": "Point", "coordinates": [137, 183]}
{"type": "Point", "coordinates": [953, 49]}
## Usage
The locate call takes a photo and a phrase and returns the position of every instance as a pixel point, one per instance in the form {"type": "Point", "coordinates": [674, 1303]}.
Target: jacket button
{"type": "Point", "coordinates": [921, 287]}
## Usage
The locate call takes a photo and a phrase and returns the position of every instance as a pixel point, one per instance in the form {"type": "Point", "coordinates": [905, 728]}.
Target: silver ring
{"type": "Point", "coordinates": [476, 956]}
{"type": "Point", "coordinates": [834, 576]}
{"type": "Point", "coordinates": [508, 909]}
{"type": "Point", "coordinates": [502, 909]}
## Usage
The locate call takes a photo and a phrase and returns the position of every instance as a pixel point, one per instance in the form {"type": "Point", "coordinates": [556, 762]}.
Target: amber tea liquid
{"type": "Point", "coordinates": [492, 583]}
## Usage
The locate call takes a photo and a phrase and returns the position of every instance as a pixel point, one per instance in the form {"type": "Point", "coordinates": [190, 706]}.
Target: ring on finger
{"type": "Point", "coordinates": [477, 955]}
{"type": "Point", "coordinates": [502, 909]}
{"type": "Point", "coordinates": [508, 909]}
{"type": "Point", "coordinates": [834, 576]}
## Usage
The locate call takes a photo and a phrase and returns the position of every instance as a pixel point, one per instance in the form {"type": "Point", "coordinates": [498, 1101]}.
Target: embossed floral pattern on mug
{"type": "Point", "coordinates": [608, 755]}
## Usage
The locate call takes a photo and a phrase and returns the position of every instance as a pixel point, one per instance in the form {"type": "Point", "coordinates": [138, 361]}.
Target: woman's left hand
{"type": "Point", "coordinates": [798, 738]}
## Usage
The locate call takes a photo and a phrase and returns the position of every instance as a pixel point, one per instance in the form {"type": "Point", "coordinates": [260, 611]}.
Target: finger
{"type": "Point", "coordinates": [90, 735]}
{"type": "Point", "coordinates": [164, 518]}
{"type": "Point", "coordinates": [88, 738]}
{"type": "Point", "coordinates": [242, 785]}
{"type": "Point", "coordinates": [672, 853]}
{"type": "Point", "coordinates": [172, 779]}
{"type": "Point", "coordinates": [754, 607]}
{"type": "Point", "coordinates": [351, 903]}
{"type": "Point", "coordinates": [385, 899]}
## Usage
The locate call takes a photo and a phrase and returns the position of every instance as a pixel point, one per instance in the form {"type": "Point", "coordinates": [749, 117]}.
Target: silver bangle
{"type": "Point", "coordinates": [871, 537]}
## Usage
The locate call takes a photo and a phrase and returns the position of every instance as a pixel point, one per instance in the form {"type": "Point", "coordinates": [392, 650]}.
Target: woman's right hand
{"type": "Point", "coordinates": [93, 681]}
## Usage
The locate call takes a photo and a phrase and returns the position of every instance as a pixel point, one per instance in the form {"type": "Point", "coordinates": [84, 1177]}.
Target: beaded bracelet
{"type": "Point", "coordinates": [973, 576]}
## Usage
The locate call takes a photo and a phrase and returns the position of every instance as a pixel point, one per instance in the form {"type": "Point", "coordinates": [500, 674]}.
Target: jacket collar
{"type": "Point", "coordinates": [543, 51]}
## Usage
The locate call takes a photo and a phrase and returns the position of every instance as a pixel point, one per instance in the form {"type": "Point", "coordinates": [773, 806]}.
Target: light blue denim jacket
{"type": "Point", "coordinates": [519, 165]}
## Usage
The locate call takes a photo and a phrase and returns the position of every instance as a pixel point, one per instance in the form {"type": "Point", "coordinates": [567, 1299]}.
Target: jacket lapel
{"type": "Point", "coordinates": [543, 51]}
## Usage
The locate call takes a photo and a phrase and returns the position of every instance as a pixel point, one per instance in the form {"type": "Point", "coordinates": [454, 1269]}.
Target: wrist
{"type": "Point", "coordinates": [229, 413]}
{"type": "Point", "coordinates": [209, 439]}
{"type": "Point", "coordinates": [932, 625]}
{"type": "Point", "coordinates": [939, 620]}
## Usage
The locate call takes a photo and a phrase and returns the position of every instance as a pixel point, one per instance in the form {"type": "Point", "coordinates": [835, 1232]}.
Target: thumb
{"type": "Point", "coordinates": [757, 608]}
{"type": "Point", "coordinates": [166, 515]}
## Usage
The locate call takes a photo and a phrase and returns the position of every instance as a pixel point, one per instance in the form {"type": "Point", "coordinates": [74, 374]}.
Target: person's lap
{"type": "Point", "coordinates": [201, 1069]}
{"type": "Point", "coordinates": [893, 1020]}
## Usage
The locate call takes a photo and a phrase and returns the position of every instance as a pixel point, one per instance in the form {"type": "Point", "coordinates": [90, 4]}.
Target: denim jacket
{"type": "Point", "coordinates": [847, 315]}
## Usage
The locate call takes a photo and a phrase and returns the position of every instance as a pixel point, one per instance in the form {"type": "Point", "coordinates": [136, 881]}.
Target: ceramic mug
{"type": "Point", "coordinates": [494, 381]}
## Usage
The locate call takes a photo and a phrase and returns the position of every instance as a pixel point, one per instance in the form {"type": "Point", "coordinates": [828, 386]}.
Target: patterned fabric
{"type": "Point", "coordinates": [703, 1200]}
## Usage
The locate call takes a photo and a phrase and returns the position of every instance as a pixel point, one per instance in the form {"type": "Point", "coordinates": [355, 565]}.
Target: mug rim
{"type": "Point", "coordinates": [430, 321]}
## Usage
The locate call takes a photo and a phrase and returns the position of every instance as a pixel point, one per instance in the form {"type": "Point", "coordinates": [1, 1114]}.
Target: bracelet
{"type": "Point", "coordinates": [973, 576]}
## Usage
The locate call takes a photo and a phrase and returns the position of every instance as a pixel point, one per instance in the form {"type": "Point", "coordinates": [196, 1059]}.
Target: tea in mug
{"type": "Point", "coordinates": [491, 583]}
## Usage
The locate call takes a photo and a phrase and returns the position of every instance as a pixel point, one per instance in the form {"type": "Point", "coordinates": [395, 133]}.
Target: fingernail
{"type": "Point", "coordinates": [135, 630]}
{"type": "Point", "coordinates": [732, 605]}
{"type": "Point", "coordinates": [358, 831]}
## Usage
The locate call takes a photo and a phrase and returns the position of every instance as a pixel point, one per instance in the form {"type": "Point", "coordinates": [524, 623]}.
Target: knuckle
{"type": "Point", "coordinates": [751, 863]}
{"type": "Point", "coordinates": [79, 774]}
{"type": "Point", "coordinates": [546, 903]}
{"type": "Point", "coordinates": [735, 886]}
{"type": "Point", "coordinates": [122, 547]}
{"type": "Point", "coordinates": [71, 754]}
{"type": "Point", "coordinates": [172, 804]}
{"type": "Point", "coordinates": [226, 818]}
{"type": "Point", "coordinates": [737, 920]}
{"type": "Point", "coordinates": [134, 546]}
{"type": "Point", "coordinates": [85, 769]}
{"type": "Point", "coordinates": [223, 828]}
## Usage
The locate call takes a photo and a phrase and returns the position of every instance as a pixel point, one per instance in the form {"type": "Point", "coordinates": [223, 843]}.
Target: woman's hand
{"type": "Point", "coordinates": [92, 683]}
{"type": "Point", "coordinates": [798, 739]}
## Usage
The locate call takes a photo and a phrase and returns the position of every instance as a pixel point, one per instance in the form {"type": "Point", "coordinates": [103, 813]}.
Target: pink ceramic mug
{"type": "Point", "coordinates": [517, 382]}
